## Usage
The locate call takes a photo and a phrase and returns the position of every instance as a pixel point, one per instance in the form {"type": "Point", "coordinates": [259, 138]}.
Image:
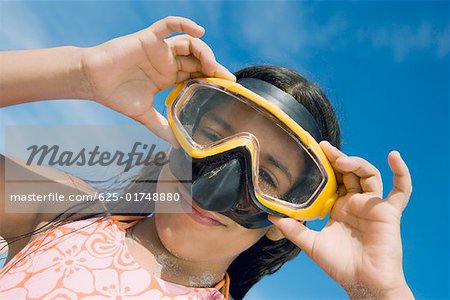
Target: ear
{"type": "Point", "coordinates": [274, 234]}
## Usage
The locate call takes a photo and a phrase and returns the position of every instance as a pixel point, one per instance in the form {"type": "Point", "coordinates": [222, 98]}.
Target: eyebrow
{"type": "Point", "coordinates": [280, 166]}
{"type": "Point", "coordinates": [221, 121]}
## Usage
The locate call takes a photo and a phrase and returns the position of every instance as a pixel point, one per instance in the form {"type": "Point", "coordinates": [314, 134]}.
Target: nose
{"type": "Point", "coordinates": [220, 189]}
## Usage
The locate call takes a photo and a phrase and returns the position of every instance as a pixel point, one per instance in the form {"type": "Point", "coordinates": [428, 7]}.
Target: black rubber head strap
{"type": "Point", "coordinates": [285, 102]}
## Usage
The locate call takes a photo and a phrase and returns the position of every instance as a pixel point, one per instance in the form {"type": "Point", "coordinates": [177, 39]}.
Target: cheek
{"type": "Point", "coordinates": [194, 242]}
{"type": "Point", "coordinates": [242, 238]}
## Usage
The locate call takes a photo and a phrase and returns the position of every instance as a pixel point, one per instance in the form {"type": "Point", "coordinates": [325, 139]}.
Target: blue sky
{"type": "Point", "coordinates": [385, 66]}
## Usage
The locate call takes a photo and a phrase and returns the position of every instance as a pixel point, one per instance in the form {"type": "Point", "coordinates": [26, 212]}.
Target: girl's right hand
{"type": "Point", "coordinates": [126, 73]}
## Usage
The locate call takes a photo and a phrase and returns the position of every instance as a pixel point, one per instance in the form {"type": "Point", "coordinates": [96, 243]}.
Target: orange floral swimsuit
{"type": "Point", "coordinates": [89, 260]}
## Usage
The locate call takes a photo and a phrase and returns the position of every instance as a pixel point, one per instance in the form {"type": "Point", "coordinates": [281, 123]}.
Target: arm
{"type": "Point", "coordinates": [13, 224]}
{"type": "Point", "coordinates": [42, 74]}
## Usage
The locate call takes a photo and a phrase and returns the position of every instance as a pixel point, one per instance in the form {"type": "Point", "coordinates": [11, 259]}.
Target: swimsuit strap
{"type": "Point", "coordinates": [224, 284]}
{"type": "Point", "coordinates": [130, 221]}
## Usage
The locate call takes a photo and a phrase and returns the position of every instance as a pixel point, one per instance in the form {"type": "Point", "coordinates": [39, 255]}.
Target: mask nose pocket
{"type": "Point", "coordinates": [220, 188]}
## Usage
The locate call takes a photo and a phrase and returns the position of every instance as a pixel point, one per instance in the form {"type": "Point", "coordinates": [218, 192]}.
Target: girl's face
{"type": "Point", "coordinates": [208, 236]}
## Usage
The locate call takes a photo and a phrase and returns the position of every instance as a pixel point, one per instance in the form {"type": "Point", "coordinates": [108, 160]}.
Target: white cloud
{"type": "Point", "coordinates": [20, 28]}
{"type": "Point", "coordinates": [443, 42]}
{"type": "Point", "coordinates": [280, 29]}
{"type": "Point", "coordinates": [283, 30]}
{"type": "Point", "coordinates": [403, 40]}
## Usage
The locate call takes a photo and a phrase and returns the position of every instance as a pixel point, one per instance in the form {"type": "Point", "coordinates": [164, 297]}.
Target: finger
{"type": "Point", "coordinates": [196, 75]}
{"type": "Point", "coordinates": [296, 232]}
{"type": "Point", "coordinates": [189, 64]}
{"type": "Point", "coordinates": [183, 45]}
{"type": "Point", "coordinates": [169, 25]}
{"type": "Point", "coordinates": [342, 191]}
{"type": "Point", "coordinates": [352, 183]}
{"type": "Point", "coordinates": [224, 73]}
{"type": "Point", "coordinates": [368, 175]}
{"type": "Point", "coordinates": [400, 193]}
{"type": "Point", "coordinates": [350, 180]}
{"type": "Point", "coordinates": [331, 152]}
{"type": "Point", "coordinates": [356, 179]}
{"type": "Point", "coordinates": [182, 76]}
{"type": "Point", "coordinates": [180, 44]}
{"type": "Point", "coordinates": [157, 124]}
{"type": "Point", "coordinates": [355, 208]}
{"type": "Point", "coordinates": [339, 178]}
{"type": "Point", "coordinates": [186, 45]}
{"type": "Point", "coordinates": [210, 66]}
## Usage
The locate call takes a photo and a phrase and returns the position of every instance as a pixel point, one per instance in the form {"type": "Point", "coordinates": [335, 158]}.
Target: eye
{"type": "Point", "coordinates": [210, 134]}
{"type": "Point", "coordinates": [268, 178]}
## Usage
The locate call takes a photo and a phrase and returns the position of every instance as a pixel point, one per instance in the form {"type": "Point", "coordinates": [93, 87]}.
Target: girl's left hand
{"type": "Point", "coordinates": [360, 247]}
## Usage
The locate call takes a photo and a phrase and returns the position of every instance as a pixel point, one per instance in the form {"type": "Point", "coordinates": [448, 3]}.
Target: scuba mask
{"type": "Point", "coordinates": [251, 149]}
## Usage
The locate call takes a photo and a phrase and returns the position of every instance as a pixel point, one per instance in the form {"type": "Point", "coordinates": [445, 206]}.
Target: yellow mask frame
{"type": "Point", "coordinates": [322, 202]}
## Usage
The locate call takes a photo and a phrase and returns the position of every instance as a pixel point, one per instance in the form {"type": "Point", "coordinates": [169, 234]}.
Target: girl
{"type": "Point", "coordinates": [203, 254]}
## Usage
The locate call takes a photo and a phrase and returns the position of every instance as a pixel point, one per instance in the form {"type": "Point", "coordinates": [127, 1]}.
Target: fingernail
{"type": "Point", "coordinates": [225, 72]}
{"type": "Point", "coordinates": [227, 75]}
{"type": "Point", "coordinates": [272, 218]}
{"type": "Point", "coordinates": [232, 77]}
{"type": "Point", "coordinates": [325, 142]}
{"type": "Point", "coordinates": [202, 28]}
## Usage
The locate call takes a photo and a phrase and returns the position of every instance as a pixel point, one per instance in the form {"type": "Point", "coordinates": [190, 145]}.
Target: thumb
{"type": "Point", "coordinates": [157, 124]}
{"type": "Point", "coordinates": [296, 232]}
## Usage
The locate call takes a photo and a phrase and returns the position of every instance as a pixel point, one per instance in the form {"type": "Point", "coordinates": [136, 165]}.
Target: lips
{"type": "Point", "coordinates": [198, 214]}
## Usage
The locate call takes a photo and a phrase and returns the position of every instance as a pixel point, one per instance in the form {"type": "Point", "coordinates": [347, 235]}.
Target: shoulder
{"type": "Point", "coordinates": [16, 224]}
{"type": "Point", "coordinates": [20, 167]}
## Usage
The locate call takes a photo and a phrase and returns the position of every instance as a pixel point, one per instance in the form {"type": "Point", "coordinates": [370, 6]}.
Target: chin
{"type": "Point", "coordinates": [185, 239]}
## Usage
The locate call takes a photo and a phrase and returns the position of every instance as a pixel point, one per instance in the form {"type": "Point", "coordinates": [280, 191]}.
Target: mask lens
{"type": "Point", "coordinates": [285, 170]}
